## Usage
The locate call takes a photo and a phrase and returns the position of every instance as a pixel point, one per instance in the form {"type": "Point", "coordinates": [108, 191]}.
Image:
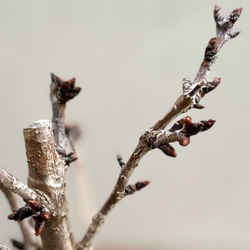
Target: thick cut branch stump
{"type": "Point", "coordinates": [47, 174]}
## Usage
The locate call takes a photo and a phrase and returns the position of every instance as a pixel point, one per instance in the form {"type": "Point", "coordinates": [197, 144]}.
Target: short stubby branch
{"type": "Point", "coordinates": [60, 93]}
{"type": "Point", "coordinates": [47, 174]}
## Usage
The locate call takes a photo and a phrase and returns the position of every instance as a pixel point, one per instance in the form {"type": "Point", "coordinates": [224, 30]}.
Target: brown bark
{"type": "Point", "coordinates": [47, 176]}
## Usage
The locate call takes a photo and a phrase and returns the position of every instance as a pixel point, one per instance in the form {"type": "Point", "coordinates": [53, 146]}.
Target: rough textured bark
{"type": "Point", "coordinates": [47, 177]}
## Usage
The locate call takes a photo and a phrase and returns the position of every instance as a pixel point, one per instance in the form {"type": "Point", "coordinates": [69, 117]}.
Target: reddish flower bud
{"type": "Point", "coordinates": [188, 121]}
{"type": "Point", "coordinates": [207, 124]}
{"type": "Point", "coordinates": [12, 215]}
{"type": "Point", "coordinates": [130, 189]}
{"type": "Point", "coordinates": [45, 216]}
{"type": "Point", "coordinates": [34, 205]}
{"type": "Point", "coordinates": [168, 150]}
{"type": "Point", "coordinates": [198, 106]}
{"type": "Point", "coordinates": [39, 226]}
{"type": "Point", "coordinates": [184, 140]}
{"type": "Point", "coordinates": [141, 184]}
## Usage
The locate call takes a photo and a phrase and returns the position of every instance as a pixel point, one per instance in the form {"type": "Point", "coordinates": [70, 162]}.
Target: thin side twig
{"type": "Point", "coordinates": [14, 185]}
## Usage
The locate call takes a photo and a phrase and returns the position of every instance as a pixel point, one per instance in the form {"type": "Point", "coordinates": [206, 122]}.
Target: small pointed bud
{"type": "Point", "coordinates": [198, 106]}
{"type": "Point", "coordinates": [34, 205]}
{"type": "Point", "coordinates": [168, 150]}
{"type": "Point", "coordinates": [12, 215]}
{"type": "Point", "coordinates": [188, 121]}
{"type": "Point", "coordinates": [216, 81]}
{"type": "Point", "coordinates": [217, 8]}
{"type": "Point", "coordinates": [21, 213]}
{"type": "Point", "coordinates": [234, 34]}
{"type": "Point", "coordinates": [69, 158]}
{"type": "Point", "coordinates": [211, 50]}
{"type": "Point", "coordinates": [120, 161]}
{"type": "Point", "coordinates": [45, 216]}
{"type": "Point", "coordinates": [141, 184]}
{"type": "Point", "coordinates": [209, 86]}
{"type": "Point", "coordinates": [184, 140]}
{"type": "Point", "coordinates": [207, 124]}
{"type": "Point", "coordinates": [130, 189]}
{"type": "Point", "coordinates": [39, 226]}
{"type": "Point", "coordinates": [234, 15]}
{"type": "Point", "coordinates": [217, 17]}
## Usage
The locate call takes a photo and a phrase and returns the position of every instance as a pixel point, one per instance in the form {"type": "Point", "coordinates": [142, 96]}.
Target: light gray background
{"type": "Point", "coordinates": [130, 57]}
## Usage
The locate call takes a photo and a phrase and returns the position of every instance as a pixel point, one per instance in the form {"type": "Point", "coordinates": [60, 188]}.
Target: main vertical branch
{"type": "Point", "coordinates": [47, 174]}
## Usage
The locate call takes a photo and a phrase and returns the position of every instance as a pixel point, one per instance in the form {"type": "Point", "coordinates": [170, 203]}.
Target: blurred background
{"type": "Point", "coordinates": [130, 57]}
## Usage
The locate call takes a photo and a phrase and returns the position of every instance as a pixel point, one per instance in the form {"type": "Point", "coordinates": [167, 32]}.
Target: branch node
{"type": "Point", "coordinates": [33, 209]}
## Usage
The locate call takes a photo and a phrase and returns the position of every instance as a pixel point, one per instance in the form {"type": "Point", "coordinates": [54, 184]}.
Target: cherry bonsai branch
{"type": "Point", "coordinates": [156, 136]}
{"type": "Point", "coordinates": [48, 160]}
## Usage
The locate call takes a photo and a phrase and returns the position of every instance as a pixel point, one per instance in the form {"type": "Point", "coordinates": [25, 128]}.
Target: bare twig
{"type": "Point", "coordinates": [12, 183]}
{"type": "Point", "coordinates": [181, 131]}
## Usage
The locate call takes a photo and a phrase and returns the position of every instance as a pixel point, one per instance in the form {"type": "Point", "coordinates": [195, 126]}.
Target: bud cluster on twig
{"type": "Point", "coordinates": [181, 131]}
{"type": "Point", "coordinates": [33, 209]}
